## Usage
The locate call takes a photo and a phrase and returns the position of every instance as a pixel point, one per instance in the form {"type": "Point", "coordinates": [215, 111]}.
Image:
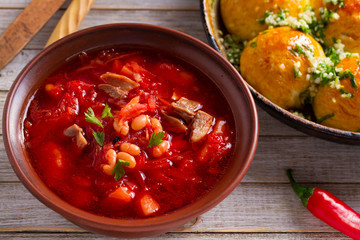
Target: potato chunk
{"type": "Point", "coordinates": [338, 108]}
{"type": "Point", "coordinates": [273, 64]}
{"type": "Point", "coordinates": [241, 16]}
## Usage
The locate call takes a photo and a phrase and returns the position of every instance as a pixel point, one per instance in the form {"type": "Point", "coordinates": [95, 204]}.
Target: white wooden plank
{"type": "Point", "coordinates": [188, 236]}
{"type": "Point", "coordinates": [250, 208]}
{"type": "Point", "coordinates": [185, 21]}
{"type": "Point", "coordinates": [120, 4]}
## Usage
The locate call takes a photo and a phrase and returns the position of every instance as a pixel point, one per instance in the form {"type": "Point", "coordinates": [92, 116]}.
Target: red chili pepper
{"type": "Point", "coordinates": [328, 208]}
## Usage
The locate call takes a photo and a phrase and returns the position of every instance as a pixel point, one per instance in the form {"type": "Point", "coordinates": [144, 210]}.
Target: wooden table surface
{"type": "Point", "coordinates": [263, 206]}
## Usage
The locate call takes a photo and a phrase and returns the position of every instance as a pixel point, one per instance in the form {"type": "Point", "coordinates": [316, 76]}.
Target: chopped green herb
{"type": "Point", "coordinates": [253, 44]}
{"type": "Point", "coordinates": [90, 117]}
{"type": "Point", "coordinates": [331, 53]}
{"type": "Point", "coordinates": [294, 52]}
{"type": "Point", "coordinates": [326, 15]}
{"type": "Point", "coordinates": [325, 117]}
{"type": "Point", "coordinates": [99, 137]}
{"type": "Point", "coordinates": [106, 112]}
{"type": "Point", "coordinates": [339, 3]}
{"type": "Point", "coordinates": [307, 47]}
{"type": "Point", "coordinates": [119, 169]}
{"type": "Point", "coordinates": [346, 94]}
{"type": "Point", "coordinates": [297, 50]}
{"type": "Point", "coordinates": [155, 139]}
{"type": "Point", "coordinates": [334, 39]}
{"type": "Point", "coordinates": [234, 48]}
{"type": "Point", "coordinates": [348, 74]}
{"type": "Point", "coordinates": [305, 97]}
{"type": "Point", "coordinates": [297, 73]}
{"type": "Point", "coordinates": [263, 20]}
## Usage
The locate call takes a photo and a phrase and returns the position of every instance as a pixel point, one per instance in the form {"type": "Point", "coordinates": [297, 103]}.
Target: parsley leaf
{"type": "Point", "coordinates": [119, 169]}
{"type": "Point", "coordinates": [106, 112]}
{"type": "Point", "coordinates": [155, 139]}
{"type": "Point", "coordinates": [99, 137]}
{"type": "Point", "coordinates": [90, 117]}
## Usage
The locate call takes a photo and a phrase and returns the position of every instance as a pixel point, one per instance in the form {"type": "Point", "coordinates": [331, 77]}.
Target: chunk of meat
{"type": "Point", "coordinates": [173, 124]}
{"type": "Point", "coordinates": [117, 86]}
{"type": "Point", "coordinates": [72, 130]}
{"type": "Point", "coordinates": [186, 108]}
{"type": "Point", "coordinates": [120, 81]}
{"type": "Point", "coordinates": [201, 125]}
{"type": "Point", "coordinates": [114, 92]}
{"type": "Point", "coordinates": [77, 132]}
{"type": "Point", "coordinates": [81, 141]}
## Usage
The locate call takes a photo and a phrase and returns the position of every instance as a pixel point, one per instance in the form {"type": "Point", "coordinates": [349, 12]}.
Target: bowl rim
{"type": "Point", "coordinates": [128, 225]}
{"type": "Point", "coordinates": [292, 120]}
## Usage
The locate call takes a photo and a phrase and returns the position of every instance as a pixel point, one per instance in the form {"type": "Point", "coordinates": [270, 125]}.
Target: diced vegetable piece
{"type": "Point", "coordinates": [123, 194]}
{"type": "Point", "coordinates": [148, 205]}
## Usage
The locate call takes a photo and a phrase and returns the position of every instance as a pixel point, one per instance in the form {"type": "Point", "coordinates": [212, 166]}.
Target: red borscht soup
{"type": "Point", "coordinates": [128, 134]}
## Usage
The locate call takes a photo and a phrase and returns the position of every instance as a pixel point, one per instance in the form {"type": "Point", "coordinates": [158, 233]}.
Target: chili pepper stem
{"type": "Point", "coordinates": [304, 193]}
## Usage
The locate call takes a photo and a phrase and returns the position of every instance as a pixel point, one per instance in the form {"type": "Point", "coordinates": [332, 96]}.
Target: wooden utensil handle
{"type": "Point", "coordinates": [71, 19]}
{"type": "Point", "coordinates": [25, 26]}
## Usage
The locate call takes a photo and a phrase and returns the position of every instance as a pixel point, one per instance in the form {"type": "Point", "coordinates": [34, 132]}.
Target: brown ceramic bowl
{"type": "Point", "coordinates": [173, 43]}
{"type": "Point", "coordinates": [214, 29]}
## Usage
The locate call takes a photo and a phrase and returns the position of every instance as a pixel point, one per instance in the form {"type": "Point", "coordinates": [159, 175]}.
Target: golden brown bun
{"type": "Point", "coordinates": [240, 16]}
{"type": "Point", "coordinates": [347, 27]}
{"type": "Point", "coordinates": [269, 66]}
{"type": "Point", "coordinates": [346, 110]}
